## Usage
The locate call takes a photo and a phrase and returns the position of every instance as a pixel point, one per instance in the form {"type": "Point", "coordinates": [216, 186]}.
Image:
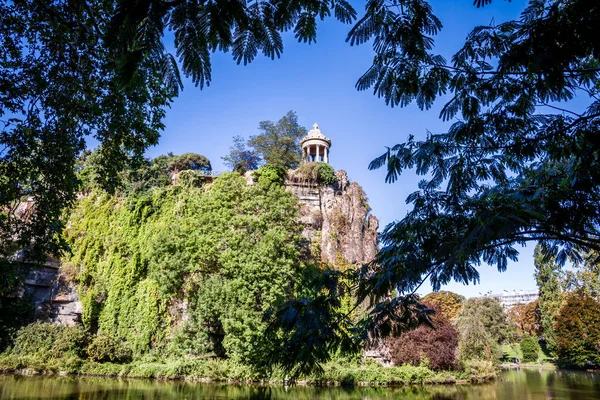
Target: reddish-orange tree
{"type": "Point", "coordinates": [438, 345]}
{"type": "Point", "coordinates": [526, 318]}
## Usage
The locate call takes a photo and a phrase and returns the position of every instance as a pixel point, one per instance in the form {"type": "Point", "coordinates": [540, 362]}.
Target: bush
{"type": "Point", "coordinates": [315, 172]}
{"type": "Point", "coordinates": [269, 174]}
{"type": "Point", "coordinates": [530, 348]}
{"type": "Point", "coordinates": [104, 348]}
{"type": "Point", "coordinates": [437, 346]}
{"type": "Point", "coordinates": [190, 178]}
{"type": "Point", "coordinates": [48, 341]}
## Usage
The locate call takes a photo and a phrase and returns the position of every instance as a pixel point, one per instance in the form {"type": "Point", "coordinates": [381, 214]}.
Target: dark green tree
{"type": "Point", "coordinates": [240, 157]}
{"type": "Point", "coordinates": [278, 144]}
{"type": "Point", "coordinates": [519, 163]}
{"type": "Point", "coordinates": [187, 161]}
{"type": "Point", "coordinates": [483, 326]}
{"type": "Point", "coordinates": [530, 348]}
{"type": "Point", "coordinates": [549, 281]}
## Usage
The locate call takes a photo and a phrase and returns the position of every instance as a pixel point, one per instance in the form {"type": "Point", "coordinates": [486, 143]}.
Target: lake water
{"type": "Point", "coordinates": [512, 385]}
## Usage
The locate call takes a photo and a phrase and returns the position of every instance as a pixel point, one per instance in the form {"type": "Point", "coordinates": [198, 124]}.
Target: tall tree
{"type": "Point", "coordinates": [519, 163]}
{"type": "Point", "coordinates": [483, 326]}
{"type": "Point", "coordinates": [240, 157]}
{"type": "Point", "coordinates": [278, 144]}
{"type": "Point", "coordinates": [578, 330]}
{"type": "Point", "coordinates": [585, 277]}
{"type": "Point", "coordinates": [548, 278]}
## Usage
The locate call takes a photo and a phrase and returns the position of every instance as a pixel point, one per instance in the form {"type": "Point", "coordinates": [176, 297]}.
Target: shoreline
{"type": "Point", "coordinates": [258, 382]}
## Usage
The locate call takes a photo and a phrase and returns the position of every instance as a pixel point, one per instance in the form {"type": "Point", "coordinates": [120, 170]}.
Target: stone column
{"type": "Point", "coordinates": [326, 155]}
{"type": "Point", "coordinates": [318, 152]}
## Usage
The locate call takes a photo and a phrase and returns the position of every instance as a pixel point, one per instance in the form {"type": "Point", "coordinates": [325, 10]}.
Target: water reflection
{"type": "Point", "coordinates": [512, 385]}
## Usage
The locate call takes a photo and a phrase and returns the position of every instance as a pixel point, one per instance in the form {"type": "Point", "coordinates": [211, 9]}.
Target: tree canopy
{"type": "Point", "coordinates": [278, 143]}
{"type": "Point", "coordinates": [519, 161]}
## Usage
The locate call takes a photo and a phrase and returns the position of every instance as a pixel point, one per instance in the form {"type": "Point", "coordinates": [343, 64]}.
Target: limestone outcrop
{"type": "Point", "coordinates": [337, 221]}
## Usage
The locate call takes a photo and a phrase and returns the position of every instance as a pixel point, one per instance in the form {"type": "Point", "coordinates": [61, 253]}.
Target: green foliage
{"type": "Point", "coordinates": [483, 326]}
{"type": "Point", "coordinates": [243, 28]}
{"type": "Point", "coordinates": [530, 348]}
{"type": "Point", "coordinates": [104, 348]}
{"type": "Point", "coordinates": [240, 158]}
{"type": "Point", "coordinates": [518, 163]}
{"type": "Point", "coordinates": [315, 172]}
{"type": "Point", "coordinates": [230, 250]}
{"type": "Point", "coordinates": [47, 341]}
{"type": "Point", "coordinates": [577, 329]}
{"type": "Point", "coordinates": [268, 174]}
{"type": "Point", "coordinates": [60, 87]}
{"type": "Point", "coordinates": [549, 281]}
{"type": "Point", "coordinates": [278, 144]}
{"type": "Point", "coordinates": [446, 303]}
{"type": "Point", "coordinates": [190, 178]}
{"type": "Point", "coordinates": [184, 162]}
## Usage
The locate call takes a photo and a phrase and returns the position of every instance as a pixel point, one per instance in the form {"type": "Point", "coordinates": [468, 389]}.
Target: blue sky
{"type": "Point", "coordinates": [317, 81]}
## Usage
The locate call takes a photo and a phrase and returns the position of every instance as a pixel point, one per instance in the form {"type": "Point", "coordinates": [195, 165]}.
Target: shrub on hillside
{"type": "Point", "coordinates": [314, 172]}
{"type": "Point", "coordinates": [46, 341]}
{"type": "Point", "coordinates": [530, 348]}
{"type": "Point", "coordinates": [104, 348]}
{"type": "Point", "coordinates": [269, 174]}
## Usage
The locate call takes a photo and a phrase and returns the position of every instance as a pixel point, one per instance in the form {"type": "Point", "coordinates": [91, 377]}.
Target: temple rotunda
{"type": "Point", "coordinates": [315, 146]}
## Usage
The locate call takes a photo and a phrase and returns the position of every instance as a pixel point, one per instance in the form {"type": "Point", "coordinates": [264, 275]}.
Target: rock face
{"type": "Point", "coordinates": [54, 297]}
{"type": "Point", "coordinates": [337, 221]}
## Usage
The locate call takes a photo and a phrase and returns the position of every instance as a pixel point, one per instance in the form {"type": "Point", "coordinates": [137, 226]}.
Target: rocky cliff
{"type": "Point", "coordinates": [337, 221]}
{"type": "Point", "coordinates": [337, 224]}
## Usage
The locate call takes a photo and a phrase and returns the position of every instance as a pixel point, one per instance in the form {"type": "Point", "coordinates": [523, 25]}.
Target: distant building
{"type": "Point", "coordinates": [510, 299]}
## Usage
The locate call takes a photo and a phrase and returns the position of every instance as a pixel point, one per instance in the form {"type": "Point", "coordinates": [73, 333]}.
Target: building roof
{"type": "Point", "coordinates": [315, 133]}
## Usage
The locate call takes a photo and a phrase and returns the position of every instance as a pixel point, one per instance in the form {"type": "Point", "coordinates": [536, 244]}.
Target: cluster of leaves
{"type": "Point", "coordinates": [483, 326]}
{"type": "Point", "coordinates": [232, 251]}
{"type": "Point", "coordinates": [530, 348]}
{"type": "Point", "coordinates": [277, 144]}
{"type": "Point", "coordinates": [242, 27]}
{"type": "Point", "coordinates": [50, 341]}
{"type": "Point", "coordinates": [315, 172]}
{"type": "Point", "coordinates": [447, 303]}
{"type": "Point", "coordinates": [577, 329]}
{"type": "Point", "coordinates": [105, 348]}
{"type": "Point", "coordinates": [526, 318]}
{"type": "Point", "coordinates": [515, 165]}
{"type": "Point", "coordinates": [436, 345]}
{"type": "Point", "coordinates": [137, 176]}
{"type": "Point", "coordinates": [268, 174]}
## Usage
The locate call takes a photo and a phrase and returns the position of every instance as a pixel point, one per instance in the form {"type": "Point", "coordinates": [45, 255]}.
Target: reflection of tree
{"type": "Point", "coordinates": [529, 384]}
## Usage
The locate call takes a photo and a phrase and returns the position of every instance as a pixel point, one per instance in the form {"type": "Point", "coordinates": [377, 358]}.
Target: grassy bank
{"type": "Point", "coordinates": [350, 374]}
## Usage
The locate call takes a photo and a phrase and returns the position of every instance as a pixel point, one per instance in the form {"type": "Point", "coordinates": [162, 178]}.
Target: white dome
{"type": "Point", "coordinates": [315, 133]}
